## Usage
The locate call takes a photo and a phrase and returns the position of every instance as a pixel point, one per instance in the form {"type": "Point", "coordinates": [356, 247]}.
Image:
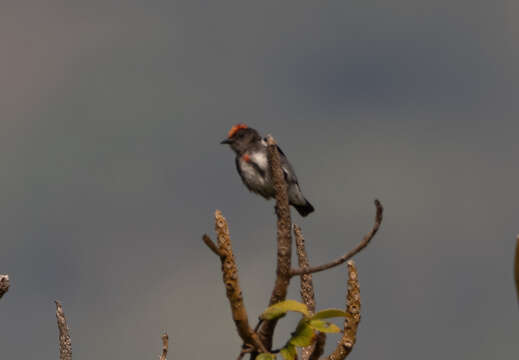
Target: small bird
{"type": "Point", "coordinates": [254, 169]}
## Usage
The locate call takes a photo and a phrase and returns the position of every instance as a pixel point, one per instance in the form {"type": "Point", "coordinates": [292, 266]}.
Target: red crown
{"type": "Point", "coordinates": [235, 128]}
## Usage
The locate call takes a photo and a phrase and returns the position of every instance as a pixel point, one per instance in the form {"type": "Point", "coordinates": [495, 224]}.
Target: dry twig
{"type": "Point", "coordinates": [165, 342]}
{"type": "Point", "coordinates": [517, 268]}
{"type": "Point", "coordinates": [365, 241]}
{"type": "Point", "coordinates": [307, 293]}
{"type": "Point", "coordinates": [211, 245]}
{"type": "Point", "coordinates": [230, 279]}
{"type": "Point", "coordinates": [4, 284]}
{"type": "Point", "coordinates": [244, 351]}
{"type": "Point", "coordinates": [65, 345]}
{"type": "Point", "coordinates": [318, 347]}
{"type": "Point", "coordinates": [307, 286]}
{"type": "Point", "coordinates": [284, 239]}
{"type": "Point", "coordinates": [351, 322]}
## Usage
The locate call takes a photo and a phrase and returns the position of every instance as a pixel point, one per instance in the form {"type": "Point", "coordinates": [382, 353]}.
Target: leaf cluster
{"type": "Point", "coordinates": [305, 333]}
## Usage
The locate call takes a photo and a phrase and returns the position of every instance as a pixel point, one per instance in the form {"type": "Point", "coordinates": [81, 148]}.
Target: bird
{"type": "Point", "coordinates": [254, 168]}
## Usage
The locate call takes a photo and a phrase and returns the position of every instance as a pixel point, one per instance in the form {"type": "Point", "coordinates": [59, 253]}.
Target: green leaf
{"type": "Point", "coordinates": [281, 308]}
{"type": "Point", "coordinates": [289, 352]}
{"type": "Point", "coordinates": [303, 335]}
{"type": "Point", "coordinates": [329, 313]}
{"type": "Point", "coordinates": [323, 326]}
{"type": "Point", "coordinates": [266, 356]}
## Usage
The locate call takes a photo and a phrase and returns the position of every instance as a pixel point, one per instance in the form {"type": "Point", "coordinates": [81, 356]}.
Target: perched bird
{"type": "Point", "coordinates": [254, 169]}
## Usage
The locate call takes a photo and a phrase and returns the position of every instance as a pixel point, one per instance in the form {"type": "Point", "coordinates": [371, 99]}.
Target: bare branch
{"type": "Point", "coordinates": [256, 328]}
{"type": "Point", "coordinates": [245, 350]}
{"type": "Point", "coordinates": [318, 347]}
{"type": "Point", "coordinates": [517, 268]}
{"type": "Point", "coordinates": [365, 241]}
{"type": "Point", "coordinates": [4, 284]}
{"type": "Point", "coordinates": [230, 279]}
{"type": "Point", "coordinates": [351, 322]}
{"type": "Point", "coordinates": [165, 342]}
{"type": "Point", "coordinates": [211, 245]}
{"type": "Point", "coordinates": [284, 239]}
{"type": "Point", "coordinates": [65, 345]}
{"type": "Point", "coordinates": [307, 287]}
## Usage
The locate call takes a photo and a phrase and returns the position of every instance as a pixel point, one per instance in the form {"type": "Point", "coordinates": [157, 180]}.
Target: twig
{"type": "Point", "coordinates": [211, 245]}
{"type": "Point", "coordinates": [318, 347]}
{"type": "Point", "coordinates": [256, 328]}
{"type": "Point", "coordinates": [165, 342]}
{"type": "Point", "coordinates": [307, 286]}
{"type": "Point", "coordinates": [517, 268]}
{"type": "Point", "coordinates": [230, 279]}
{"type": "Point", "coordinates": [284, 239]}
{"type": "Point", "coordinates": [365, 241]}
{"type": "Point", "coordinates": [65, 345]}
{"type": "Point", "coordinates": [4, 284]}
{"type": "Point", "coordinates": [351, 322]}
{"type": "Point", "coordinates": [245, 350]}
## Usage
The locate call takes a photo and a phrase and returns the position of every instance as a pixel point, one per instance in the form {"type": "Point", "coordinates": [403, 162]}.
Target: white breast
{"type": "Point", "coordinates": [260, 159]}
{"type": "Point", "coordinates": [252, 178]}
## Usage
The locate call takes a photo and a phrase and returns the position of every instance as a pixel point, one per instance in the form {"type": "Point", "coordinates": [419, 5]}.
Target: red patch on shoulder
{"type": "Point", "coordinates": [246, 157]}
{"type": "Point", "coordinates": [235, 128]}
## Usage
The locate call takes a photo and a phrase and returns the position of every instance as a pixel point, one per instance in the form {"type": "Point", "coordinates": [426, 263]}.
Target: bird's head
{"type": "Point", "coordinates": [240, 137]}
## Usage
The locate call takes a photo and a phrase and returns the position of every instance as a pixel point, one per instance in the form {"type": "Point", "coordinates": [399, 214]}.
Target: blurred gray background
{"type": "Point", "coordinates": [111, 117]}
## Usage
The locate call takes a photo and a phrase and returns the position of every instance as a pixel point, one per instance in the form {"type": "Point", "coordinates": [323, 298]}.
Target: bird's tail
{"type": "Point", "coordinates": [305, 209]}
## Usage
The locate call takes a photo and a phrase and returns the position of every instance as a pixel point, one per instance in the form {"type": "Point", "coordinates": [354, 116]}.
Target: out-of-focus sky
{"type": "Point", "coordinates": [111, 115]}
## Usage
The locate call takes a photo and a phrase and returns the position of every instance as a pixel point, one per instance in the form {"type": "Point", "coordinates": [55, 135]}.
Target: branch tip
{"type": "Point", "coordinates": [365, 241]}
{"type": "Point", "coordinates": [270, 140]}
{"type": "Point", "coordinates": [517, 268]}
{"type": "Point", "coordinates": [4, 284]}
{"type": "Point", "coordinates": [351, 322]}
{"type": "Point", "coordinates": [211, 245]}
{"type": "Point", "coordinates": [380, 211]}
{"type": "Point", "coordinates": [165, 345]}
{"type": "Point", "coordinates": [306, 291]}
{"type": "Point", "coordinates": [231, 281]}
{"type": "Point", "coordinates": [65, 344]}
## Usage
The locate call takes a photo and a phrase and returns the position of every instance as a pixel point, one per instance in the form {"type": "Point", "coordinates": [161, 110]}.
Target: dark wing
{"type": "Point", "coordinates": [290, 174]}
{"type": "Point", "coordinates": [280, 151]}
{"type": "Point", "coordinates": [288, 170]}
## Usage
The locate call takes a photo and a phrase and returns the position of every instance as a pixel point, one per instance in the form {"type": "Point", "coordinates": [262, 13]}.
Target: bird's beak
{"type": "Point", "coordinates": [226, 141]}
